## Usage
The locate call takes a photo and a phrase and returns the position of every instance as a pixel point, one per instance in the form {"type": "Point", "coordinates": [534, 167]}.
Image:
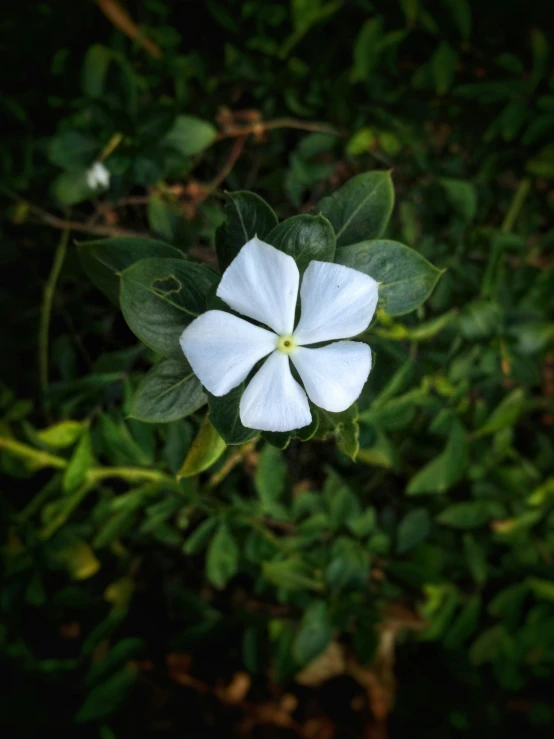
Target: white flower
{"type": "Point", "coordinates": [262, 283]}
{"type": "Point", "coordinates": [98, 176]}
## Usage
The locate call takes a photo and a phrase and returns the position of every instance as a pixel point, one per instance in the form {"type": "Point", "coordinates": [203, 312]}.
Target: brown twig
{"type": "Point", "coordinates": [225, 171]}
{"type": "Point", "coordinates": [260, 127]}
{"type": "Point", "coordinates": [123, 21]}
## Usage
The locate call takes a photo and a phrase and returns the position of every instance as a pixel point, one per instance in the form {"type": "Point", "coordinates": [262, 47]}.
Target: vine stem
{"type": "Point", "coordinates": [515, 206]}
{"type": "Point", "coordinates": [46, 310]}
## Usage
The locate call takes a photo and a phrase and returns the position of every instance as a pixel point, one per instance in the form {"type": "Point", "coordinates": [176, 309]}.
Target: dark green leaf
{"type": "Point", "coordinates": [160, 297]}
{"type": "Point", "coordinates": [406, 278]}
{"type": "Point", "coordinates": [247, 215]}
{"type": "Point", "coordinates": [444, 470]}
{"type": "Point", "coordinates": [305, 238]}
{"type": "Point", "coordinates": [103, 260]}
{"type": "Point", "coordinates": [222, 558]}
{"type": "Point", "coordinates": [315, 633]}
{"type": "Point", "coordinates": [206, 449]}
{"type": "Point", "coordinates": [169, 391]}
{"type": "Point", "coordinates": [225, 417]}
{"type": "Point", "coordinates": [413, 529]}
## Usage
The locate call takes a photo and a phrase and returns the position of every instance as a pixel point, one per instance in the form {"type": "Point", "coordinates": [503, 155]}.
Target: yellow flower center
{"type": "Point", "coordinates": [286, 344]}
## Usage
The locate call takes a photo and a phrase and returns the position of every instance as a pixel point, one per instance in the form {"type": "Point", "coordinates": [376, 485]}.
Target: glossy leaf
{"type": "Point", "coordinates": [206, 449]}
{"type": "Point", "coordinates": [247, 215]}
{"type": "Point", "coordinates": [360, 209]}
{"type": "Point", "coordinates": [406, 278]}
{"type": "Point", "coordinates": [169, 391]}
{"type": "Point", "coordinates": [225, 417]}
{"type": "Point", "coordinates": [305, 238]}
{"type": "Point", "coordinates": [160, 297]}
{"type": "Point", "coordinates": [105, 259]}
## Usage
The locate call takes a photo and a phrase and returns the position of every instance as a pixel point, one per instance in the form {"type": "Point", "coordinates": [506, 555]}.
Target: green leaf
{"type": "Point", "coordinates": [290, 574]}
{"type": "Point", "coordinates": [79, 464]}
{"type": "Point", "coordinates": [476, 559]}
{"type": "Point", "coordinates": [406, 279]}
{"type": "Point", "coordinates": [469, 515]}
{"type": "Point", "coordinates": [169, 391]}
{"type": "Point", "coordinates": [305, 238]}
{"type": "Point", "coordinates": [72, 150]}
{"type": "Point", "coordinates": [365, 52]}
{"type": "Point", "coordinates": [541, 50]}
{"type": "Point", "coordinates": [71, 188]}
{"type": "Point", "coordinates": [315, 633]}
{"type": "Point", "coordinates": [200, 536]}
{"type": "Point", "coordinates": [361, 208]}
{"type": "Point", "coordinates": [446, 469]}
{"type": "Point", "coordinates": [160, 297]}
{"type": "Point", "coordinates": [206, 449]}
{"type": "Point", "coordinates": [413, 529]}
{"type": "Point", "coordinates": [222, 557]}
{"type": "Point", "coordinates": [461, 13]}
{"type": "Point", "coordinates": [62, 434]}
{"type": "Point", "coordinates": [542, 164]}
{"type": "Point", "coordinates": [247, 215]}
{"type": "Point", "coordinates": [163, 217]}
{"type": "Point", "coordinates": [462, 197]}
{"type": "Point", "coordinates": [505, 414]}
{"type": "Point", "coordinates": [104, 259]}
{"type": "Point", "coordinates": [124, 650]}
{"type": "Point", "coordinates": [107, 697]}
{"type": "Point", "coordinates": [349, 564]}
{"type": "Point", "coordinates": [270, 477]}
{"type": "Point", "coordinates": [464, 624]}
{"type": "Point", "coordinates": [190, 135]}
{"type": "Point", "coordinates": [225, 417]}
{"type": "Point", "coordinates": [443, 67]}
{"type": "Point", "coordinates": [95, 70]}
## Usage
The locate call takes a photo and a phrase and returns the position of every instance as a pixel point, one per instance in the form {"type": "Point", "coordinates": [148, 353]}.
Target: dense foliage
{"type": "Point", "coordinates": [395, 572]}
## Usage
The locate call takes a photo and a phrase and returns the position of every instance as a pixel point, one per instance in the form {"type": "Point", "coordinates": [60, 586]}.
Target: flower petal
{"type": "Point", "coordinates": [222, 349]}
{"type": "Point", "coordinates": [333, 375]}
{"type": "Point", "coordinates": [262, 283]}
{"type": "Point", "coordinates": [337, 302]}
{"type": "Point", "coordinates": [273, 400]}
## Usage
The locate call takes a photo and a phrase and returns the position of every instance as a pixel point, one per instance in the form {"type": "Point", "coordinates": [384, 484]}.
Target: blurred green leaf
{"type": "Point", "coordinates": [206, 449]}
{"type": "Point", "coordinates": [445, 469]}
{"type": "Point", "coordinates": [222, 558]}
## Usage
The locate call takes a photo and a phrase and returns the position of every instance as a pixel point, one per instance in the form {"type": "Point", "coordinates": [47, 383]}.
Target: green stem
{"type": "Point", "coordinates": [515, 206]}
{"type": "Point", "coordinates": [46, 312]}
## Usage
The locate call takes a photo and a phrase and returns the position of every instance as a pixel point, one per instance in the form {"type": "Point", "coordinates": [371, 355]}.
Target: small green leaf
{"type": "Point", "coordinates": [160, 297]}
{"type": "Point", "coordinates": [62, 434]}
{"type": "Point", "coordinates": [247, 215]}
{"type": "Point", "coordinates": [462, 197]}
{"type": "Point", "coordinates": [270, 477]}
{"type": "Point", "coordinates": [476, 559]}
{"type": "Point", "coordinates": [190, 135]}
{"type": "Point", "coordinates": [72, 150]}
{"type": "Point", "coordinates": [315, 633]}
{"type": "Point", "coordinates": [505, 414]}
{"type": "Point", "coordinates": [413, 529]}
{"type": "Point", "coordinates": [71, 188]}
{"type": "Point", "coordinates": [406, 279]}
{"type": "Point", "coordinates": [464, 624]}
{"type": "Point", "coordinates": [443, 66]}
{"type": "Point", "coordinates": [305, 238]}
{"type": "Point", "coordinates": [169, 391]}
{"type": "Point", "coordinates": [444, 470]}
{"type": "Point", "coordinates": [104, 259]}
{"type": "Point", "coordinates": [95, 70]}
{"type": "Point", "coordinates": [163, 217]}
{"type": "Point", "coordinates": [461, 13]}
{"type": "Point", "coordinates": [222, 557]}
{"type": "Point", "coordinates": [361, 208]}
{"type": "Point", "coordinates": [79, 464]}
{"type": "Point", "coordinates": [469, 515]}
{"type": "Point", "coordinates": [225, 417]}
{"type": "Point", "coordinates": [108, 696]}
{"type": "Point", "coordinates": [206, 449]}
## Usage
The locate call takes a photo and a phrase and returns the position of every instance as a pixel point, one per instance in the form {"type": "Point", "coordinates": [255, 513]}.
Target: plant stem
{"type": "Point", "coordinates": [46, 312]}
{"type": "Point", "coordinates": [237, 456]}
{"type": "Point", "coordinates": [515, 206]}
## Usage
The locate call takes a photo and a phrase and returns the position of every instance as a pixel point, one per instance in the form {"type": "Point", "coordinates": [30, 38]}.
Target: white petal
{"type": "Point", "coordinates": [273, 400]}
{"type": "Point", "coordinates": [337, 302]}
{"type": "Point", "coordinates": [222, 349]}
{"type": "Point", "coordinates": [262, 283]}
{"type": "Point", "coordinates": [333, 375]}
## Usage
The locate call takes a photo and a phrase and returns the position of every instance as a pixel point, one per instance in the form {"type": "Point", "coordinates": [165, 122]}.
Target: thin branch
{"type": "Point", "coordinates": [46, 311]}
{"type": "Point", "coordinates": [123, 21]}
{"type": "Point", "coordinates": [260, 127]}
